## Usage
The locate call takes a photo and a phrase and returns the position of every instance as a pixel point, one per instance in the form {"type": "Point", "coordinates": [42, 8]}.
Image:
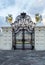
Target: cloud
{"type": "Point", "coordinates": [38, 6]}
{"type": "Point", "coordinates": [6, 3]}
{"type": "Point", "coordinates": [15, 7]}
{"type": "Point", "coordinates": [43, 13]}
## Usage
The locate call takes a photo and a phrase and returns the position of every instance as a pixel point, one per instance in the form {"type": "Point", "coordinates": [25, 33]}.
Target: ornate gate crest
{"type": "Point", "coordinates": [23, 21]}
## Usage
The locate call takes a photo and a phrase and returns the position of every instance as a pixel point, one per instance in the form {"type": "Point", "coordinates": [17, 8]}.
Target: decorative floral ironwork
{"type": "Point", "coordinates": [23, 21]}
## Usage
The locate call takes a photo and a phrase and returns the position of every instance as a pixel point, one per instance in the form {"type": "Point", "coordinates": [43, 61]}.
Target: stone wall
{"type": "Point", "coordinates": [6, 38]}
{"type": "Point", "coordinates": [40, 38]}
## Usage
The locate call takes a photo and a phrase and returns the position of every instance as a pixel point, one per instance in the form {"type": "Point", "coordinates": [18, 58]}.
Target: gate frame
{"type": "Point", "coordinates": [23, 39]}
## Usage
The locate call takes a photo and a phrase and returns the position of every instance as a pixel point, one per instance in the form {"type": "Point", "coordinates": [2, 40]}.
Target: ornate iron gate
{"type": "Point", "coordinates": [23, 29]}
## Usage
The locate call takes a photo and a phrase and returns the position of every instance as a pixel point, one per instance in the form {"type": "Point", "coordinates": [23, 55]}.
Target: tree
{"type": "Point", "coordinates": [9, 18]}
{"type": "Point", "coordinates": [38, 17]}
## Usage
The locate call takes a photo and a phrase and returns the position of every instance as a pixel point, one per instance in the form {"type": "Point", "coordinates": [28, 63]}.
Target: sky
{"type": "Point", "coordinates": [15, 7]}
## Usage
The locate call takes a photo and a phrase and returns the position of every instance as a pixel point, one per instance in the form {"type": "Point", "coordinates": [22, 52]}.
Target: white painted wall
{"type": "Point", "coordinates": [39, 38]}
{"type": "Point", "coordinates": [6, 38]}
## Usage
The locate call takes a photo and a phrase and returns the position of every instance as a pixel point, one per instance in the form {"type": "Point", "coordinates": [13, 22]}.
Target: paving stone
{"type": "Point", "coordinates": [22, 57]}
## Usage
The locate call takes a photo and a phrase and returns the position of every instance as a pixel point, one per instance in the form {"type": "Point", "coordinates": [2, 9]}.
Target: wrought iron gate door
{"type": "Point", "coordinates": [23, 39]}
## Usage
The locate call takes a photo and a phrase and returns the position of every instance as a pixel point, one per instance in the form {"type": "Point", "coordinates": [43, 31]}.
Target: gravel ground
{"type": "Point", "coordinates": [22, 57]}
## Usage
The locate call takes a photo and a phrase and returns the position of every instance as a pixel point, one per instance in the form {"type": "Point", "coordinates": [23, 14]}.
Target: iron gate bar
{"type": "Point", "coordinates": [23, 39]}
{"type": "Point", "coordinates": [15, 41]}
